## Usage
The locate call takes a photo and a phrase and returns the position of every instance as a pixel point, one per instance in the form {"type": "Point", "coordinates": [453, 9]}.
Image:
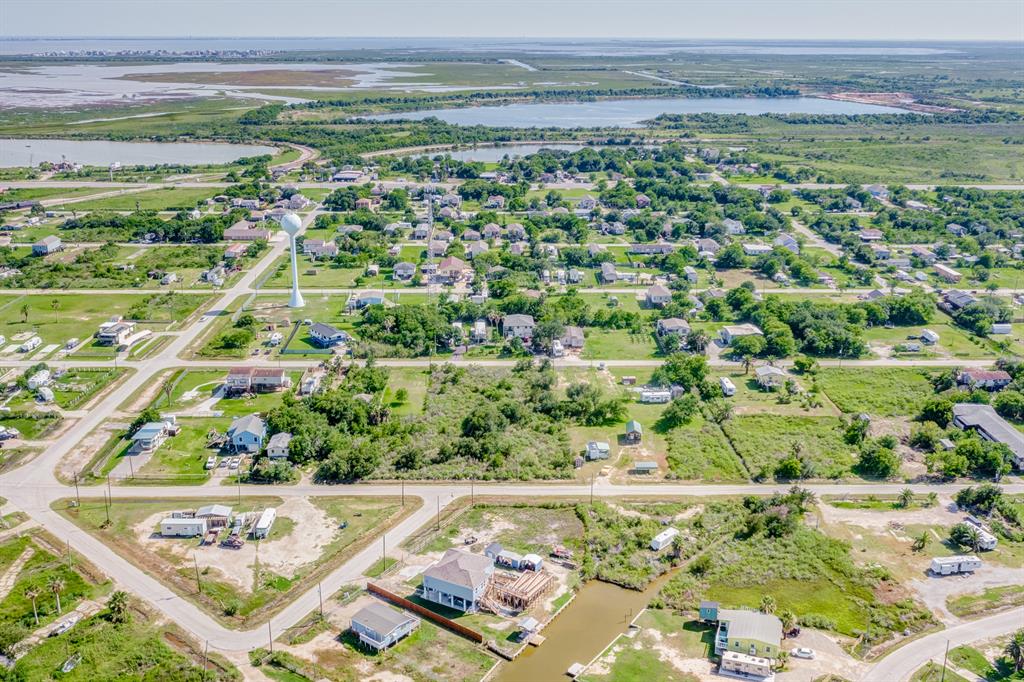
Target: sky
{"type": "Point", "coordinates": [700, 19]}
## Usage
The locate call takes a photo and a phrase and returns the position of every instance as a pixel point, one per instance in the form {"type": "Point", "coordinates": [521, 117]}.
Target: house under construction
{"type": "Point", "coordinates": [518, 592]}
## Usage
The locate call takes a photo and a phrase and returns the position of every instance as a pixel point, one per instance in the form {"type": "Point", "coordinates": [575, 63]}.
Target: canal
{"type": "Point", "coordinates": [600, 612]}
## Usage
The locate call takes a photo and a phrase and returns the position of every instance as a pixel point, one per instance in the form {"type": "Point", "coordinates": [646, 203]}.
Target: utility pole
{"type": "Point", "coordinates": [403, 492]}
{"type": "Point", "coordinates": [199, 585]}
{"type": "Point", "coordinates": [131, 467]}
{"type": "Point", "coordinates": [106, 505]}
{"type": "Point", "coordinates": [270, 637]}
{"type": "Point", "coordinates": [945, 657]}
{"type": "Point", "coordinates": [384, 552]}
{"type": "Point", "coordinates": [439, 513]}
{"type": "Point", "coordinates": [69, 554]}
{"type": "Point", "coordinates": [206, 656]}
{"type": "Point", "coordinates": [108, 488]}
{"type": "Point", "coordinates": [78, 498]}
{"type": "Point", "coordinates": [320, 590]}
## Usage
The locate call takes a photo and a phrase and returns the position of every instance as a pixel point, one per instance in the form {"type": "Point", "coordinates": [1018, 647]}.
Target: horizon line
{"type": "Point", "coordinates": [507, 38]}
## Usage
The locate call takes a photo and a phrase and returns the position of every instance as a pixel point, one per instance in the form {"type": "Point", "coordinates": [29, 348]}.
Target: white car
{"type": "Point", "coordinates": [211, 462]}
{"type": "Point", "coordinates": [802, 652]}
{"type": "Point", "coordinates": [235, 461]}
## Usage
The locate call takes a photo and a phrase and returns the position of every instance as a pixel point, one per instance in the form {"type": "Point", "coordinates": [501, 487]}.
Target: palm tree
{"type": "Point", "coordinates": [33, 594]}
{"type": "Point", "coordinates": [24, 313]}
{"type": "Point", "coordinates": [747, 362]}
{"type": "Point", "coordinates": [973, 537]}
{"type": "Point", "coordinates": [788, 619]}
{"type": "Point", "coordinates": [55, 306]}
{"type": "Point", "coordinates": [767, 604]}
{"type": "Point", "coordinates": [56, 585]}
{"type": "Point", "coordinates": [118, 605]}
{"type": "Point", "coordinates": [1015, 650]}
{"type": "Point", "coordinates": [921, 541]}
{"type": "Point", "coordinates": [906, 498]}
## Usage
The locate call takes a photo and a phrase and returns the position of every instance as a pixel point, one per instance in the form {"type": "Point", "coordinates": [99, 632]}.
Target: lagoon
{"type": "Point", "coordinates": [16, 153]}
{"type": "Point", "coordinates": [629, 113]}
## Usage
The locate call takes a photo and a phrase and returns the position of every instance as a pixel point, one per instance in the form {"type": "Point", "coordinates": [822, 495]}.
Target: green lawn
{"type": "Point", "coordinates": [969, 658]}
{"type": "Point", "coordinates": [990, 599]}
{"type": "Point", "coordinates": [640, 659]}
{"type": "Point", "coordinates": [76, 386]}
{"type": "Point", "coordinates": [618, 344]}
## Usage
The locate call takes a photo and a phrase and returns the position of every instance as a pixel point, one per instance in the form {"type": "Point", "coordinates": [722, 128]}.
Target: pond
{"type": "Point", "coordinates": [628, 113]}
{"type": "Point", "coordinates": [600, 612]}
{"type": "Point", "coordinates": [15, 153]}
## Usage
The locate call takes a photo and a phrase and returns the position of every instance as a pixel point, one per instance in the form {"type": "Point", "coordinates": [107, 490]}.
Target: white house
{"type": "Point", "coordinates": [770, 377]}
{"type": "Point", "coordinates": [379, 626]}
{"type": "Point", "coordinates": [731, 332]}
{"type": "Point", "coordinates": [518, 326]}
{"type": "Point", "coordinates": [658, 296]}
{"type": "Point", "coordinates": [277, 446]}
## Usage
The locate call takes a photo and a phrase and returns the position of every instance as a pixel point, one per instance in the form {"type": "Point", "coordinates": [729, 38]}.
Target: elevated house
{"type": "Point", "coordinates": [277, 446]}
{"type": "Point", "coordinates": [246, 434]}
{"type": "Point", "coordinates": [327, 336]}
{"type": "Point", "coordinates": [458, 580]}
{"type": "Point", "coordinates": [379, 626]}
{"type": "Point", "coordinates": [751, 633]}
{"type": "Point", "coordinates": [518, 326]}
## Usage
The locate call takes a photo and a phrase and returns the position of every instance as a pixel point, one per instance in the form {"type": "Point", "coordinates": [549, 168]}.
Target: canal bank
{"type": "Point", "coordinates": [581, 631]}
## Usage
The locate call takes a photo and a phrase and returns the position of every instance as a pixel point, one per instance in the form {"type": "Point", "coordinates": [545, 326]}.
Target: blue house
{"type": "Point", "coordinates": [379, 626]}
{"type": "Point", "coordinates": [458, 580]}
{"type": "Point", "coordinates": [246, 434]}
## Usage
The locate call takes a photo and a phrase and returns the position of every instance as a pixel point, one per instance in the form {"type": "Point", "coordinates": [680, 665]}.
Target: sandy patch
{"type": "Point", "coordinates": [939, 515]}
{"type": "Point", "coordinates": [283, 556]}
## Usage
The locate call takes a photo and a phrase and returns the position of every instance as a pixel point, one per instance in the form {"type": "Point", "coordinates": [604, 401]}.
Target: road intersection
{"type": "Point", "coordinates": [34, 489]}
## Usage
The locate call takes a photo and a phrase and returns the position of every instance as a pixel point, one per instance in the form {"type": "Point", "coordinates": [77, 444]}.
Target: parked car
{"type": "Point", "coordinates": [235, 461]}
{"type": "Point", "coordinates": [802, 652]}
{"type": "Point", "coordinates": [65, 625]}
{"type": "Point", "coordinates": [211, 462]}
{"type": "Point", "coordinates": [223, 462]}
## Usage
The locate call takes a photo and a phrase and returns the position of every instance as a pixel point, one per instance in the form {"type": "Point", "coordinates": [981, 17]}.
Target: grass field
{"type": "Point", "coordinates": [763, 439]}
{"type": "Point", "coordinates": [881, 391]}
{"type": "Point", "coordinates": [700, 450]}
{"type": "Point", "coordinates": [79, 315]}
{"type": "Point", "coordinates": [164, 199]}
{"type": "Point", "coordinates": [641, 658]}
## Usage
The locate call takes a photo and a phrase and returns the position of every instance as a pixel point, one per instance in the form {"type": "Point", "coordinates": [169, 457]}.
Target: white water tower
{"type": "Point", "coordinates": [292, 224]}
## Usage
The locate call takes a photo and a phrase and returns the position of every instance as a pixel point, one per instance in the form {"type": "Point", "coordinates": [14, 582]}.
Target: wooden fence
{"type": "Point", "coordinates": [426, 613]}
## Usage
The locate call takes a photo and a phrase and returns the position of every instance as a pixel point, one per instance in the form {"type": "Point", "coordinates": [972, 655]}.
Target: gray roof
{"type": "Point", "coordinates": [461, 568]}
{"type": "Point", "coordinates": [325, 330]}
{"type": "Point", "coordinates": [752, 625]}
{"type": "Point", "coordinates": [995, 428]}
{"type": "Point", "coordinates": [518, 321]}
{"type": "Point", "coordinates": [214, 510]}
{"type": "Point", "coordinates": [280, 440]}
{"type": "Point", "coordinates": [381, 618]}
{"type": "Point", "coordinates": [250, 423]}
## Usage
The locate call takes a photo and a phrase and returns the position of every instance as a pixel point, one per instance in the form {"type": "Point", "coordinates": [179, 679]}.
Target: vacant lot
{"type": "Point", "coordinates": [881, 391]}
{"type": "Point", "coordinates": [165, 199]}
{"type": "Point", "coordinates": [763, 439]}
{"type": "Point", "coordinates": [700, 450]}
